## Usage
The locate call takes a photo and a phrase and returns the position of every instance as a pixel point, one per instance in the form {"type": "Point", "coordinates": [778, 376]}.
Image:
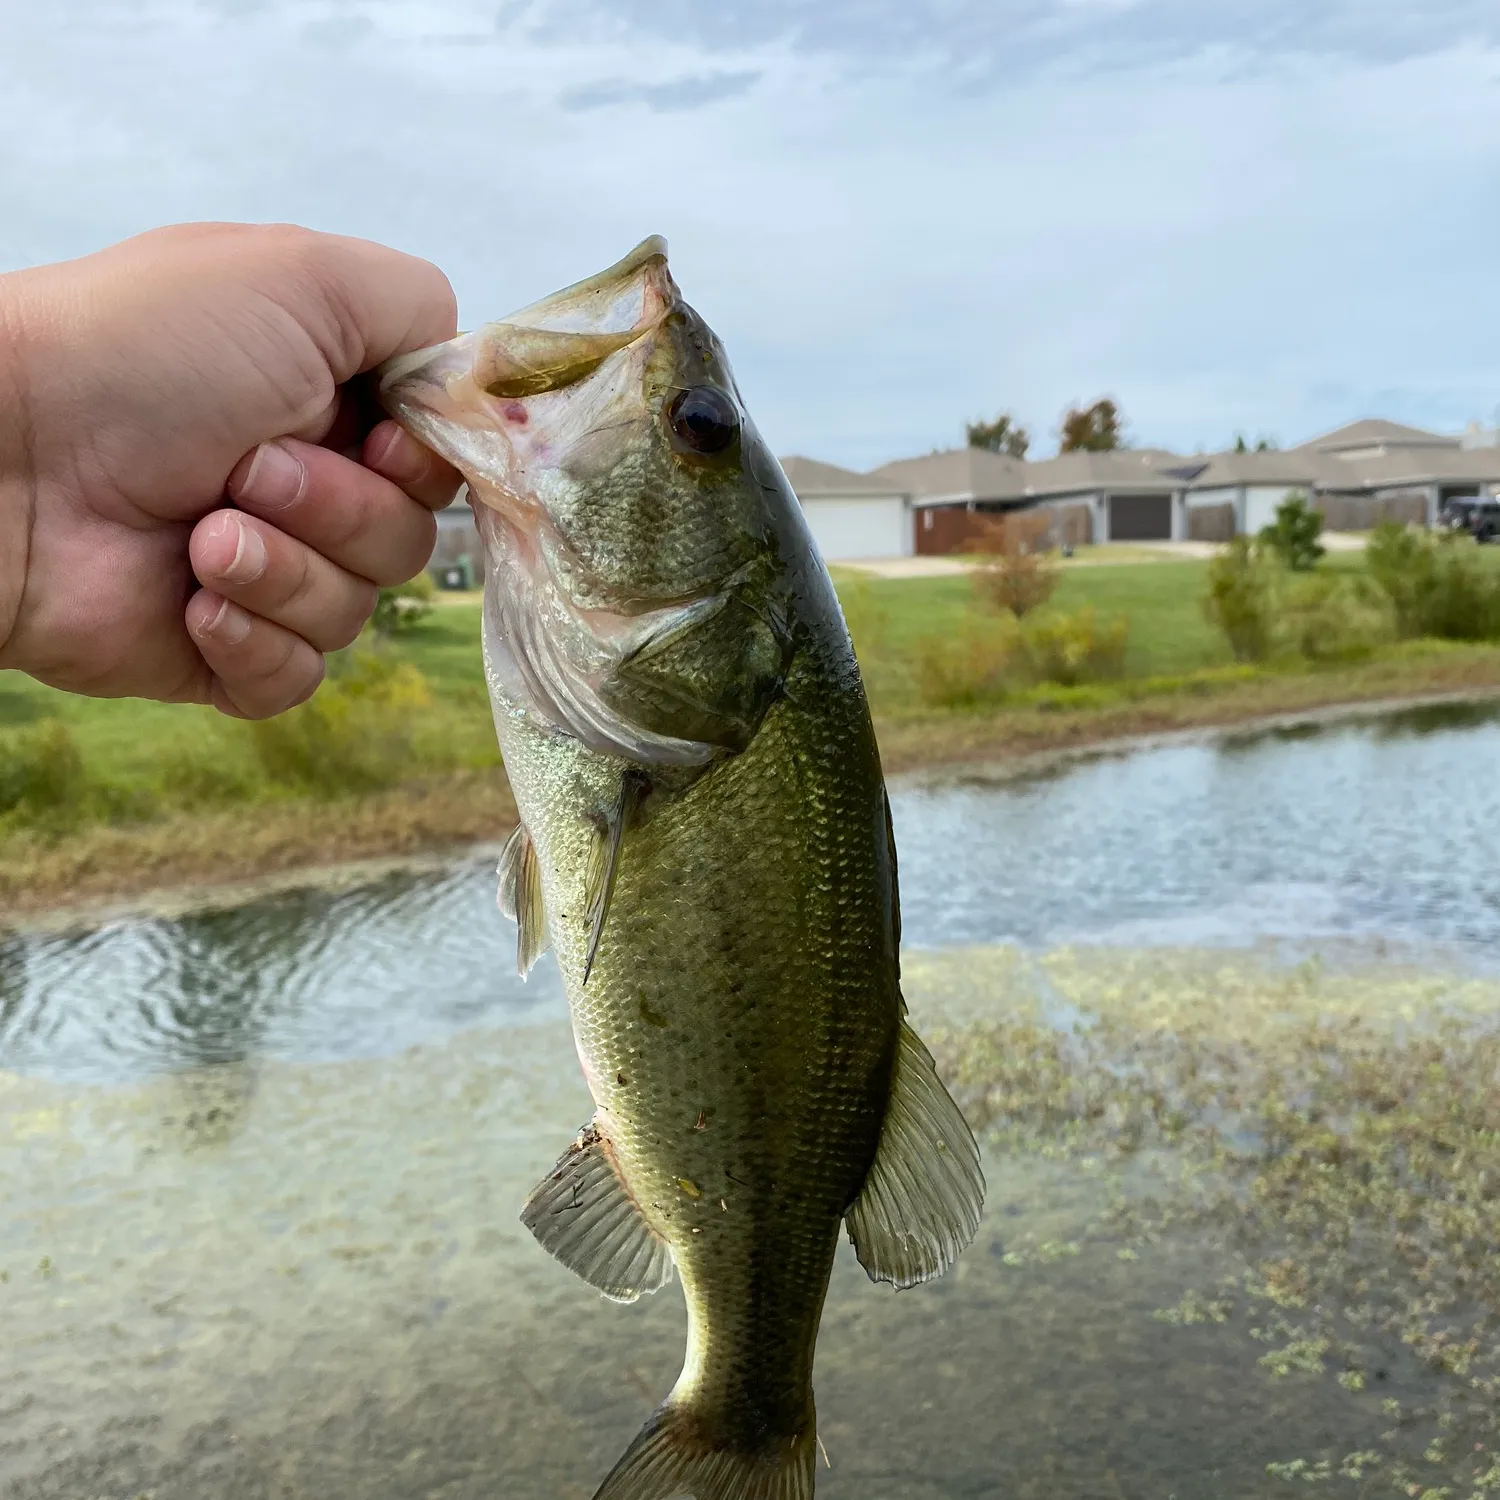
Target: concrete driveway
{"type": "Point", "coordinates": [1110, 553]}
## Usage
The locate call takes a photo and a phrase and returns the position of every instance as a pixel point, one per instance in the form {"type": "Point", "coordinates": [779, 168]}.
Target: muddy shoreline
{"type": "Point", "coordinates": [170, 901]}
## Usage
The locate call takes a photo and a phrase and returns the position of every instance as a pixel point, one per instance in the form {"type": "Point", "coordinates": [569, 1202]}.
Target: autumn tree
{"type": "Point", "coordinates": [1092, 429]}
{"type": "Point", "coordinates": [1003, 435]}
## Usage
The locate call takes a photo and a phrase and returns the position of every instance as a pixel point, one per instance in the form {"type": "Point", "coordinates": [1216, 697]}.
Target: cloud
{"type": "Point", "coordinates": [1015, 36]}
{"type": "Point", "coordinates": [898, 217]}
{"type": "Point", "coordinates": [691, 92]}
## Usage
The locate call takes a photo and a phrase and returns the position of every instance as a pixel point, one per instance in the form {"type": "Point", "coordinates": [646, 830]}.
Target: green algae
{"type": "Point", "coordinates": [1335, 1130]}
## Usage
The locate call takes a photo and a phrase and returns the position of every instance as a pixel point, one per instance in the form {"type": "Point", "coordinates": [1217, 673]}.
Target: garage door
{"type": "Point", "coordinates": [1140, 518]}
{"type": "Point", "coordinates": [851, 529]}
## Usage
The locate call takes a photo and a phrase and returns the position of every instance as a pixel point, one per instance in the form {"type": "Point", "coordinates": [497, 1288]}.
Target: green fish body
{"type": "Point", "coordinates": [705, 843]}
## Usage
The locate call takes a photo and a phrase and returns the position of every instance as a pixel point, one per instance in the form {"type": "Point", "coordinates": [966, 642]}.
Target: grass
{"type": "Point", "coordinates": [176, 794]}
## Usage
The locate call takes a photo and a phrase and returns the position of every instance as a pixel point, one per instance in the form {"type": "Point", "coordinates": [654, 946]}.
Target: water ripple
{"type": "Point", "coordinates": [1383, 830]}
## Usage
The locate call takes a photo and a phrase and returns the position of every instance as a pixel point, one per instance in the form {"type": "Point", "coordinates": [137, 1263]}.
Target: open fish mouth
{"type": "Point", "coordinates": [502, 401]}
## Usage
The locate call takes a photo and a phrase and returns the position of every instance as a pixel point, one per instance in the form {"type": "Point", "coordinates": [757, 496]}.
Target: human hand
{"type": "Point", "coordinates": [141, 386]}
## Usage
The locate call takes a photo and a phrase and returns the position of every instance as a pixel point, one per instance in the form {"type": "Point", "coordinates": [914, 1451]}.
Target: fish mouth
{"type": "Point", "coordinates": [463, 398]}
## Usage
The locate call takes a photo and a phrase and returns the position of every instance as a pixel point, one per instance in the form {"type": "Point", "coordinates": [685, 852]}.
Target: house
{"type": "Point", "coordinates": [1358, 475]}
{"type": "Point", "coordinates": [852, 517]}
{"type": "Point", "coordinates": [1131, 494]}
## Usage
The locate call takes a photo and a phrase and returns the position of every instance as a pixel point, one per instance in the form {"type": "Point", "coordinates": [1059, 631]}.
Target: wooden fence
{"type": "Point", "coordinates": [955, 528]}
{"type": "Point", "coordinates": [1366, 512]}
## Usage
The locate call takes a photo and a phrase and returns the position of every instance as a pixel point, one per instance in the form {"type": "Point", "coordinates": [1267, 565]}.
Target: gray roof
{"type": "Point", "coordinates": [1376, 432]}
{"type": "Point", "coordinates": [809, 476]}
{"type": "Point", "coordinates": [1395, 455]}
{"type": "Point", "coordinates": [1413, 466]}
{"type": "Point", "coordinates": [1269, 466]}
{"type": "Point", "coordinates": [1119, 471]}
{"type": "Point", "coordinates": [957, 474]}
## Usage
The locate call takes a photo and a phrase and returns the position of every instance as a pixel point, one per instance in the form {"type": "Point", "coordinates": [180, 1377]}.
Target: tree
{"type": "Point", "coordinates": [1262, 445]}
{"type": "Point", "coordinates": [1003, 435]}
{"type": "Point", "coordinates": [1092, 429]}
{"type": "Point", "coordinates": [1293, 535]}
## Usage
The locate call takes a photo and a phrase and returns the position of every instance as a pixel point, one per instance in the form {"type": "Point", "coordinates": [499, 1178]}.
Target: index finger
{"type": "Point", "coordinates": [365, 302]}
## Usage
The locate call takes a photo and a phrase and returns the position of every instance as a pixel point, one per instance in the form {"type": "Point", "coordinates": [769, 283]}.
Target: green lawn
{"type": "Point", "coordinates": [1161, 601]}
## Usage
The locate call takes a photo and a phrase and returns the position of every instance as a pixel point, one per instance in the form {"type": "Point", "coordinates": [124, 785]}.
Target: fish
{"type": "Point", "coordinates": [705, 844]}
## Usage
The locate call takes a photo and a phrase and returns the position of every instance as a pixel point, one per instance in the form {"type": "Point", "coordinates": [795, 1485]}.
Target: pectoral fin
{"type": "Point", "coordinates": [921, 1202]}
{"type": "Point", "coordinates": [520, 898]}
{"type": "Point", "coordinates": [581, 1213]}
{"type": "Point", "coordinates": [604, 857]}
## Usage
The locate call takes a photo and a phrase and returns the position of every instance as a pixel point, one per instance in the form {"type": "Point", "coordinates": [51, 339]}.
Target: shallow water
{"type": "Point", "coordinates": [258, 1229]}
{"type": "Point", "coordinates": [307, 1279]}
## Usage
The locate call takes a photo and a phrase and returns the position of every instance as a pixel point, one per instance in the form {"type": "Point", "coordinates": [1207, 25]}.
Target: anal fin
{"type": "Point", "coordinates": [922, 1199]}
{"type": "Point", "coordinates": [581, 1213]}
{"type": "Point", "coordinates": [520, 898]}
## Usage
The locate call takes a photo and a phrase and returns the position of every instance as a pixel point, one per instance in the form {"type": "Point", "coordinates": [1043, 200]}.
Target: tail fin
{"type": "Point", "coordinates": [675, 1456]}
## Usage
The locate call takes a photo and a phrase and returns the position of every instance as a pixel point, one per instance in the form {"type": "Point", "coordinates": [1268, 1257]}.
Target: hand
{"type": "Point", "coordinates": [141, 386]}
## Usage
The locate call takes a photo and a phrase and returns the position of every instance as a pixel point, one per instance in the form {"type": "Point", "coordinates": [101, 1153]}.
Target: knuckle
{"type": "Point", "coordinates": [406, 561]}
{"type": "Point", "coordinates": [297, 584]}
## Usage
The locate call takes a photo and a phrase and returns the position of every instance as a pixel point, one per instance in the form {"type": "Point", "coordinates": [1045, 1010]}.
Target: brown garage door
{"type": "Point", "coordinates": [1140, 518]}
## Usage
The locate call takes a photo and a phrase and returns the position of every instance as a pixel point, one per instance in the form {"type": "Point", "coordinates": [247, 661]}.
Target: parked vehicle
{"type": "Point", "coordinates": [1479, 515]}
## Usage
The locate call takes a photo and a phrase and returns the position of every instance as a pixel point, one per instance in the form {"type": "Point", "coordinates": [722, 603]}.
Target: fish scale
{"type": "Point", "coordinates": [706, 846]}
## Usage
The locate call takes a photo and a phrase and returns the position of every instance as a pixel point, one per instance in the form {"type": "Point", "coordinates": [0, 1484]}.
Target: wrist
{"type": "Point", "coordinates": [17, 466]}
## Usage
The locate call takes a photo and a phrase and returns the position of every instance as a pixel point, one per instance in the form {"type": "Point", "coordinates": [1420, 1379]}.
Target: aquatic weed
{"type": "Point", "coordinates": [1340, 1132]}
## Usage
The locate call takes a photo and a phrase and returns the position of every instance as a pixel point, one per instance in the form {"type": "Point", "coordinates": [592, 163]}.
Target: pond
{"type": "Point", "coordinates": [262, 1165]}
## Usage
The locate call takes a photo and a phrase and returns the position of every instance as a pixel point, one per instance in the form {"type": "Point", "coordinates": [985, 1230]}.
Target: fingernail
{"type": "Point", "coordinates": [229, 626]}
{"type": "Point", "coordinates": [399, 458]}
{"type": "Point", "coordinates": [249, 560]}
{"type": "Point", "coordinates": [275, 478]}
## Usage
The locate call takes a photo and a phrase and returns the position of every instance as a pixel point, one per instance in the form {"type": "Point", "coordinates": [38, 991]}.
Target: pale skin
{"type": "Point", "coordinates": [196, 505]}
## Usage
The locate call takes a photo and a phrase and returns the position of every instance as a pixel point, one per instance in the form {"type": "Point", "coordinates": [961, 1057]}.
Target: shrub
{"type": "Point", "coordinates": [1072, 649]}
{"type": "Point", "coordinates": [1437, 586]}
{"type": "Point", "coordinates": [1293, 535]}
{"type": "Point", "coordinates": [41, 774]}
{"type": "Point", "coordinates": [1335, 617]}
{"type": "Point", "coordinates": [1403, 562]}
{"type": "Point", "coordinates": [356, 733]}
{"type": "Point", "coordinates": [210, 776]}
{"type": "Point", "coordinates": [1017, 582]}
{"type": "Point", "coordinates": [968, 665]}
{"type": "Point", "coordinates": [1245, 583]}
{"type": "Point", "coordinates": [405, 606]}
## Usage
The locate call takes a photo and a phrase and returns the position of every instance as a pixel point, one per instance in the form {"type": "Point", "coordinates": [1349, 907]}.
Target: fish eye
{"type": "Point", "coordinates": [704, 419]}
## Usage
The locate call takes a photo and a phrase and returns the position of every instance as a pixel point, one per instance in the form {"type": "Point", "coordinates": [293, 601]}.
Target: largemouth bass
{"type": "Point", "coordinates": [706, 845]}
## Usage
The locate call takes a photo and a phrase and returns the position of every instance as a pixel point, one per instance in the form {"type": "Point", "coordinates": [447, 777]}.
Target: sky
{"type": "Point", "coordinates": [1267, 216]}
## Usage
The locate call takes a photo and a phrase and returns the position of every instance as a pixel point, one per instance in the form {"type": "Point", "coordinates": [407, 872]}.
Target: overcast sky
{"type": "Point", "coordinates": [1267, 215]}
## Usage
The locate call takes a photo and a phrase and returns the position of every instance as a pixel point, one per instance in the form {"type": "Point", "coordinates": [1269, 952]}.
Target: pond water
{"type": "Point", "coordinates": [262, 1166]}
